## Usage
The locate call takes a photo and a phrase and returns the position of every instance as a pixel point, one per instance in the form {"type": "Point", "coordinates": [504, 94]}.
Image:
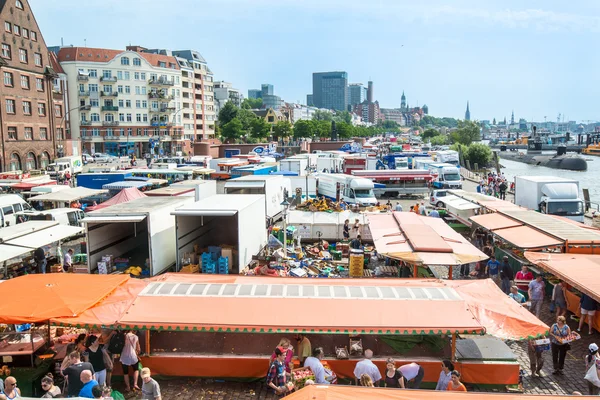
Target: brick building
{"type": "Point", "coordinates": [31, 95]}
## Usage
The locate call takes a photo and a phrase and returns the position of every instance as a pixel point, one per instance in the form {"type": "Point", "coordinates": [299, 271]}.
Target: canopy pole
{"type": "Point", "coordinates": [453, 350]}
{"type": "Point", "coordinates": [147, 342]}
{"type": "Point", "coordinates": [415, 270]}
{"type": "Point", "coordinates": [450, 273]}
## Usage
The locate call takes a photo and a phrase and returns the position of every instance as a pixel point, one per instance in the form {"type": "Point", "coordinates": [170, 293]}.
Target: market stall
{"type": "Point", "coordinates": [65, 197]}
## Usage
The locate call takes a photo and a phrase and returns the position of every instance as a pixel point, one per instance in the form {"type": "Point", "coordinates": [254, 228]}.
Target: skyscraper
{"type": "Point", "coordinates": [330, 90]}
{"type": "Point", "coordinates": [309, 100]}
{"type": "Point", "coordinates": [267, 90]}
{"type": "Point", "coordinates": [467, 113]}
{"type": "Point", "coordinates": [358, 93]}
{"type": "Point", "coordinates": [254, 93]}
{"type": "Point", "coordinates": [370, 92]}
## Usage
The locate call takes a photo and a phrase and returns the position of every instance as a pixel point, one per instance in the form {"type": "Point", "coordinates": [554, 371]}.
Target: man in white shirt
{"type": "Point", "coordinates": [314, 362]}
{"type": "Point", "coordinates": [67, 260]}
{"type": "Point", "coordinates": [413, 373]}
{"type": "Point", "coordinates": [366, 366]}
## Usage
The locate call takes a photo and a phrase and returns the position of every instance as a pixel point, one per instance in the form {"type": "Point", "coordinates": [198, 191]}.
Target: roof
{"type": "Point", "coordinates": [578, 270]}
{"type": "Point", "coordinates": [556, 226]}
{"type": "Point", "coordinates": [223, 202]}
{"type": "Point", "coordinates": [55, 64]}
{"type": "Point", "coordinates": [67, 195]}
{"type": "Point", "coordinates": [422, 240]}
{"type": "Point", "coordinates": [489, 202]}
{"type": "Point", "coordinates": [123, 196]}
{"type": "Point", "coordinates": [255, 178]}
{"type": "Point", "coordinates": [171, 191]}
{"type": "Point", "coordinates": [18, 230]}
{"type": "Point", "coordinates": [126, 185]}
{"type": "Point", "coordinates": [141, 205]}
{"type": "Point", "coordinates": [90, 54]}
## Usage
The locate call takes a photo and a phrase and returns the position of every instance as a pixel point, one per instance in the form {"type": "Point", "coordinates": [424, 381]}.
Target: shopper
{"type": "Point", "coordinates": [73, 373]}
{"type": "Point", "coordinates": [356, 228]}
{"type": "Point", "coordinates": [277, 377]}
{"type": "Point", "coordinates": [88, 382]}
{"type": "Point", "coordinates": [413, 373]}
{"type": "Point", "coordinates": [49, 387]}
{"type": "Point", "coordinates": [506, 275]}
{"type": "Point", "coordinates": [524, 275]}
{"type": "Point", "coordinates": [40, 260]}
{"type": "Point", "coordinates": [492, 269]}
{"type": "Point", "coordinates": [592, 378]}
{"type": "Point", "coordinates": [366, 381]}
{"type": "Point", "coordinates": [68, 260]}
{"type": "Point", "coordinates": [304, 348]}
{"type": "Point", "coordinates": [314, 363]}
{"type": "Point", "coordinates": [11, 391]}
{"type": "Point", "coordinates": [393, 377]}
{"type": "Point", "coordinates": [356, 243]}
{"type": "Point", "coordinates": [455, 384]}
{"type": "Point", "coordinates": [445, 375]}
{"type": "Point", "coordinates": [558, 297]}
{"type": "Point", "coordinates": [150, 388]}
{"type": "Point", "coordinates": [346, 232]}
{"type": "Point", "coordinates": [516, 296]}
{"type": "Point", "coordinates": [588, 308]}
{"type": "Point", "coordinates": [536, 295]}
{"type": "Point", "coordinates": [285, 346]}
{"type": "Point", "coordinates": [536, 359]}
{"type": "Point", "coordinates": [94, 354]}
{"type": "Point", "coordinates": [129, 359]}
{"type": "Point", "coordinates": [366, 366]}
{"type": "Point", "coordinates": [558, 332]}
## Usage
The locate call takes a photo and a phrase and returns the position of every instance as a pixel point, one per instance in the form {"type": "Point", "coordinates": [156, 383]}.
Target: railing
{"type": "Point", "coordinates": [83, 78]}
{"type": "Point", "coordinates": [84, 94]}
{"type": "Point", "coordinates": [109, 94]}
{"type": "Point", "coordinates": [108, 79]}
{"type": "Point", "coordinates": [110, 123]}
{"type": "Point", "coordinates": [163, 82]}
{"type": "Point", "coordinates": [110, 108]}
{"type": "Point", "coordinates": [159, 96]}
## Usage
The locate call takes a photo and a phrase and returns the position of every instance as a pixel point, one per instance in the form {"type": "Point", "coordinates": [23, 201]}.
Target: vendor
{"type": "Point", "coordinates": [356, 243]}
{"type": "Point", "coordinates": [304, 348]}
{"type": "Point", "coordinates": [68, 260]}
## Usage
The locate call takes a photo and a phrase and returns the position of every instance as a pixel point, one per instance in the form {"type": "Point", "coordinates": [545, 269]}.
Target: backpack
{"type": "Point", "coordinates": [116, 343]}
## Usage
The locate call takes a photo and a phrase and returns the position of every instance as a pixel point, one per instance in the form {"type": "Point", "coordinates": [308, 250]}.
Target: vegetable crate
{"type": "Point", "coordinates": [301, 375]}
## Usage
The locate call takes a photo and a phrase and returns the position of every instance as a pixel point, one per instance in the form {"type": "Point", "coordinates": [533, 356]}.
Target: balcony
{"type": "Point", "coordinates": [84, 94]}
{"type": "Point", "coordinates": [109, 94]}
{"type": "Point", "coordinates": [83, 78]}
{"type": "Point", "coordinates": [160, 96]}
{"type": "Point", "coordinates": [108, 79]}
{"type": "Point", "coordinates": [161, 82]}
{"type": "Point", "coordinates": [110, 123]}
{"type": "Point", "coordinates": [110, 108]}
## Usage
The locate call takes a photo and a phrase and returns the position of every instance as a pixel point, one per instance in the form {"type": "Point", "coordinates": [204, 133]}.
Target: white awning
{"type": "Point", "coordinates": [205, 213]}
{"type": "Point", "coordinates": [8, 252]}
{"type": "Point", "coordinates": [245, 185]}
{"type": "Point", "coordinates": [68, 195]}
{"type": "Point", "coordinates": [110, 219]}
{"type": "Point", "coordinates": [45, 237]}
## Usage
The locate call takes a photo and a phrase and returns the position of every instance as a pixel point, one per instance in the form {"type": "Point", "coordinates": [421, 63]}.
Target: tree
{"type": "Point", "coordinates": [388, 124]}
{"type": "Point", "coordinates": [233, 130]}
{"type": "Point", "coordinates": [467, 133]}
{"type": "Point", "coordinates": [479, 154]}
{"type": "Point", "coordinates": [429, 133]}
{"type": "Point", "coordinates": [343, 116]}
{"type": "Point", "coordinates": [227, 113]}
{"type": "Point", "coordinates": [321, 128]}
{"type": "Point", "coordinates": [439, 140]}
{"type": "Point", "coordinates": [246, 117]}
{"type": "Point", "coordinates": [252, 103]}
{"type": "Point", "coordinates": [322, 115]}
{"type": "Point", "coordinates": [282, 129]}
{"type": "Point", "coordinates": [303, 129]}
{"type": "Point", "coordinates": [259, 128]}
{"type": "Point", "coordinates": [345, 130]}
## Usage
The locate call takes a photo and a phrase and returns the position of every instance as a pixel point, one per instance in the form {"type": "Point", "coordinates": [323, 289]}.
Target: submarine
{"type": "Point", "coordinates": [534, 156]}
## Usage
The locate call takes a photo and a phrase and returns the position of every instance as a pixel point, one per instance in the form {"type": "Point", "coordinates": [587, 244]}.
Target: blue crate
{"type": "Point", "coordinates": [215, 252]}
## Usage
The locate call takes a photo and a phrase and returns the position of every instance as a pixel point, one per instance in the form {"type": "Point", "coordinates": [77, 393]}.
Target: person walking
{"type": "Point", "coordinates": [73, 373]}
{"type": "Point", "coordinates": [492, 269]}
{"type": "Point", "coordinates": [536, 361]}
{"type": "Point", "coordinates": [558, 332]}
{"type": "Point", "coordinates": [94, 354]}
{"type": "Point", "coordinates": [445, 375]}
{"type": "Point", "coordinates": [277, 377]}
{"type": "Point", "coordinates": [558, 297]}
{"type": "Point", "coordinates": [536, 295]}
{"type": "Point", "coordinates": [129, 359]}
{"type": "Point", "coordinates": [506, 275]}
{"type": "Point", "coordinates": [593, 374]}
{"type": "Point", "coordinates": [588, 308]}
{"type": "Point", "coordinates": [40, 260]}
{"type": "Point", "coordinates": [285, 346]}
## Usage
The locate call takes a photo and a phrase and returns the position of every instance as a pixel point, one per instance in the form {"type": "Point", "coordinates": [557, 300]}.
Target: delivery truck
{"type": "Point", "coordinates": [142, 231]}
{"type": "Point", "coordinates": [60, 166]}
{"type": "Point", "coordinates": [550, 195]}
{"type": "Point", "coordinates": [447, 176]}
{"type": "Point", "coordinates": [295, 164]}
{"type": "Point", "coordinates": [348, 188]}
{"type": "Point", "coordinates": [275, 188]}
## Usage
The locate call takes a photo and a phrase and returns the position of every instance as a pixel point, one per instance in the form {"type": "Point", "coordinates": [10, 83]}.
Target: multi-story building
{"type": "Point", "coordinates": [32, 99]}
{"type": "Point", "coordinates": [254, 93]}
{"type": "Point", "coordinates": [358, 93]}
{"type": "Point", "coordinates": [224, 92]}
{"type": "Point", "coordinates": [266, 90]}
{"type": "Point", "coordinates": [393, 114]}
{"type": "Point", "coordinates": [310, 100]}
{"type": "Point", "coordinates": [330, 90]}
{"type": "Point", "coordinates": [272, 101]}
{"type": "Point", "coordinates": [369, 112]}
{"type": "Point", "coordinates": [295, 112]}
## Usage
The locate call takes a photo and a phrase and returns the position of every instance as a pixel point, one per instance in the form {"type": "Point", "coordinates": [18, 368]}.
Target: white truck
{"type": "Point", "coordinates": [448, 176]}
{"type": "Point", "coordinates": [349, 188]}
{"type": "Point", "coordinates": [330, 163]}
{"type": "Point", "coordinates": [142, 230]}
{"type": "Point", "coordinates": [60, 166]}
{"type": "Point", "coordinates": [275, 188]}
{"type": "Point", "coordinates": [550, 195]}
{"type": "Point", "coordinates": [448, 157]}
{"type": "Point", "coordinates": [295, 164]}
{"type": "Point", "coordinates": [64, 216]}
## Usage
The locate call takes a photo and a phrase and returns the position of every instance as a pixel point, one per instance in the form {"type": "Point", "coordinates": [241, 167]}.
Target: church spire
{"type": "Point", "coordinates": [403, 102]}
{"type": "Point", "coordinates": [512, 117]}
{"type": "Point", "coordinates": [467, 113]}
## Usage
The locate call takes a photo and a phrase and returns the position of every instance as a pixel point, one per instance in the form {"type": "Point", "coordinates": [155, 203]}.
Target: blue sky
{"type": "Point", "coordinates": [539, 58]}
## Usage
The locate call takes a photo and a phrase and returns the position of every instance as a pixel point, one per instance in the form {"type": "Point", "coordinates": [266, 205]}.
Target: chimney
{"type": "Point", "coordinates": [370, 92]}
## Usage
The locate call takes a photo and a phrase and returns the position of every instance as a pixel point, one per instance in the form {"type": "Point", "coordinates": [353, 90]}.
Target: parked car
{"type": "Point", "coordinates": [87, 158]}
{"type": "Point", "coordinates": [102, 157]}
{"type": "Point", "coordinates": [437, 196]}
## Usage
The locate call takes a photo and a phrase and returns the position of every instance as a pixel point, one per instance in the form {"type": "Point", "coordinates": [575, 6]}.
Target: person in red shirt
{"type": "Point", "coordinates": [524, 275]}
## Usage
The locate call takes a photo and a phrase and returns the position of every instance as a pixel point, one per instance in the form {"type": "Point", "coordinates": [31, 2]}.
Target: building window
{"type": "Point", "coordinates": [145, 117]}
{"type": "Point", "coordinates": [39, 84]}
{"type": "Point", "coordinates": [162, 64]}
{"type": "Point", "coordinates": [7, 27]}
{"type": "Point", "coordinates": [109, 117]}
{"type": "Point", "coordinates": [143, 76]}
{"type": "Point", "coordinates": [8, 79]}
{"type": "Point", "coordinates": [144, 90]}
{"type": "Point", "coordinates": [106, 73]}
{"type": "Point", "coordinates": [93, 73]}
{"type": "Point", "coordinates": [137, 61]}
{"type": "Point", "coordinates": [28, 133]}
{"type": "Point", "coordinates": [121, 103]}
{"type": "Point", "coordinates": [10, 106]}
{"type": "Point", "coordinates": [137, 90]}
{"type": "Point", "coordinates": [37, 58]}
{"type": "Point", "coordinates": [124, 60]}
{"type": "Point", "coordinates": [138, 117]}
{"type": "Point", "coordinates": [93, 87]}
{"type": "Point", "coordinates": [95, 117]}
{"type": "Point", "coordinates": [61, 136]}
{"type": "Point", "coordinates": [44, 133]}
{"type": "Point", "coordinates": [127, 75]}
{"type": "Point", "coordinates": [17, 30]}
{"type": "Point", "coordinates": [23, 55]}
{"type": "Point", "coordinates": [12, 132]}
{"type": "Point", "coordinates": [95, 132]}
{"type": "Point", "coordinates": [120, 88]}
{"type": "Point", "coordinates": [122, 117]}
{"type": "Point", "coordinates": [19, 4]}
{"type": "Point", "coordinates": [27, 107]}
{"type": "Point", "coordinates": [136, 76]}
{"type": "Point", "coordinates": [128, 89]}
{"type": "Point", "coordinates": [6, 50]}
{"type": "Point", "coordinates": [107, 88]}
{"type": "Point", "coordinates": [119, 75]}
{"type": "Point", "coordinates": [42, 109]}
{"type": "Point", "coordinates": [94, 102]}
{"type": "Point", "coordinates": [83, 118]}
{"type": "Point", "coordinates": [128, 103]}
{"type": "Point", "coordinates": [144, 104]}
{"type": "Point", "coordinates": [30, 161]}
{"type": "Point", "coordinates": [33, 36]}
{"type": "Point", "coordinates": [44, 160]}
{"type": "Point", "coordinates": [57, 110]}
{"type": "Point", "coordinates": [128, 117]}
{"type": "Point", "coordinates": [25, 33]}
{"type": "Point", "coordinates": [25, 82]}
{"type": "Point", "coordinates": [15, 162]}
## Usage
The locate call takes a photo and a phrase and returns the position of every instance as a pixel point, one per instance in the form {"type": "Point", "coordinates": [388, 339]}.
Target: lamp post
{"type": "Point", "coordinates": [60, 153]}
{"type": "Point", "coordinates": [285, 204]}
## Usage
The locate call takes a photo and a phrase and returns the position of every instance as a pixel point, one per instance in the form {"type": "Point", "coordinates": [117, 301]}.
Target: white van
{"type": "Point", "coordinates": [64, 216]}
{"type": "Point", "coordinates": [10, 204]}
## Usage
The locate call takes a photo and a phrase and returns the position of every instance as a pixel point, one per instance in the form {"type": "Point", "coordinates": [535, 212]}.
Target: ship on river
{"type": "Point", "coordinates": [534, 156]}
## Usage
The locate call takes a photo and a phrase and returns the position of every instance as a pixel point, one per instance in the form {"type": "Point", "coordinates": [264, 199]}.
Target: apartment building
{"type": "Point", "coordinates": [127, 101]}
{"type": "Point", "coordinates": [225, 92]}
{"type": "Point", "coordinates": [31, 97]}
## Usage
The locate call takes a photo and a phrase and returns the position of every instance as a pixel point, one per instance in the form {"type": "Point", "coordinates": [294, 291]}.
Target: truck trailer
{"type": "Point", "coordinates": [351, 189]}
{"type": "Point", "coordinates": [275, 188]}
{"type": "Point", "coordinates": [550, 195]}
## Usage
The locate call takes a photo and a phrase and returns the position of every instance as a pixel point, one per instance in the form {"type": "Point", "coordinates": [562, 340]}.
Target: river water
{"type": "Point", "coordinates": [589, 179]}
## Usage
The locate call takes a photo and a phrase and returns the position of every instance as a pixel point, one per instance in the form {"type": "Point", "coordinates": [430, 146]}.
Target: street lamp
{"type": "Point", "coordinates": [60, 150]}
{"type": "Point", "coordinates": [285, 204]}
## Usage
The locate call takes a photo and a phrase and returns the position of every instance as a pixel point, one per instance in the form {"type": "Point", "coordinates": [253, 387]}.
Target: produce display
{"type": "Point", "coordinates": [319, 205]}
{"type": "Point", "coordinates": [571, 338]}
{"type": "Point", "coordinates": [5, 370]}
{"type": "Point", "coordinates": [301, 375]}
{"type": "Point", "coordinates": [133, 270]}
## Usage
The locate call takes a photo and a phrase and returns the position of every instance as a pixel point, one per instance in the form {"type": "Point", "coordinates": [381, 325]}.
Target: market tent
{"type": "Point", "coordinates": [489, 202]}
{"type": "Point", "coordinates": [125, 185]}
{"type": "Point", "coordinates": [45, 236]}
{"type": "Point", "coordinates": [423, 240]}
{"type": "Point", "coordinates": [525, 237]}
{"type": "Point", "coordinates": [578, 270]}
{"type": "Point", "coordinates": [123, 196]}
{"type": "Point", "coordinates": [341, 392]}
{"type": "Point", "coordinates": [494, 221]}
{"type": "Point", "coordinates": [68, 195]}
{"type": "Point", "coordinates": [28, 185]}
{"type": "Point", "coordinates": [238, 303]}
{"type": "Point", "coordinates": [8, 252]}
{"type": "Point", "coordinates": [54, 295]}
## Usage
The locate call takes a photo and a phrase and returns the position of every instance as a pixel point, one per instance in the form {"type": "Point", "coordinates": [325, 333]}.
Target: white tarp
{"type": "Point", "coordinates": [46, 236]}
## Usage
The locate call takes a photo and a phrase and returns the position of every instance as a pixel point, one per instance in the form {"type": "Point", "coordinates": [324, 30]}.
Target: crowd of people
{"type": "Point", "coordinates": [495, 185]}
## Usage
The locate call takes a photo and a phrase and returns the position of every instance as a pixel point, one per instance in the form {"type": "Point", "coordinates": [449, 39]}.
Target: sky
{"type": "Point", "coordinates": [538, 58]}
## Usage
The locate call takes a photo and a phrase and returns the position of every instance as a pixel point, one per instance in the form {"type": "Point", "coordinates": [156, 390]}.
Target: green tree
{"type": "Point", "coordinates": [303, 129]}
{"type": "Point", "coordinates": [467, 133]}
{"type": "Point", "coordinates": [345, 130]}
{"type": "Point", "coordinates": [227, 113]}
{"type": "Point", "coordinates": [233, 130]}
{"type": "Point", "coordinates": [479, 154]}
{"type": "Point", "coordinates": [429, 133]}
{"type": "Point", "coordinates": [282, 129]}
{"type": "Point", "coordinates": [246, 117]}
{"type": "Point", "coordinates": [259, 128]}
{"type": "Point", "coordinates": [252, 103]}
{"type": "Point", "coordinates": [388, 124]}
{"type": "Point", "coordinates": [343, 116]}
{"type": "Point", "coordinates": [322, 115]}
{"type": "Point", "coordinates": [439, 140]}
{"type": "Point", "coordinates": [321, 128]}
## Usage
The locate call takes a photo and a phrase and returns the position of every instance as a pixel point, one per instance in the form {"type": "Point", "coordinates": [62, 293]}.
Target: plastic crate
{"type": "Point", "coordinates": [215, 252]}
{"type": "Point", "coordinates": [223, 265]}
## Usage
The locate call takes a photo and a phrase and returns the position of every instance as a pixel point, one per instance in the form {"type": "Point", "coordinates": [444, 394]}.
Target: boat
{"type": "Point", "coordinates": [592, 150]}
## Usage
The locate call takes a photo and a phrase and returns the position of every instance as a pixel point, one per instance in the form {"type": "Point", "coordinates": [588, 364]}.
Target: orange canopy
{"type": "Point", "coordinates": [494, 221]}
{"type": "Point", "coordinates": [340, 392]}
{"type": "Point", "coordinates": [525, 237]}
{"type": "Point", "coordinates": [420, 240]}
{"type": "Point", "coordinates": [578, 270]}
{"type": "Point", "coordinates": [38, 298]}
